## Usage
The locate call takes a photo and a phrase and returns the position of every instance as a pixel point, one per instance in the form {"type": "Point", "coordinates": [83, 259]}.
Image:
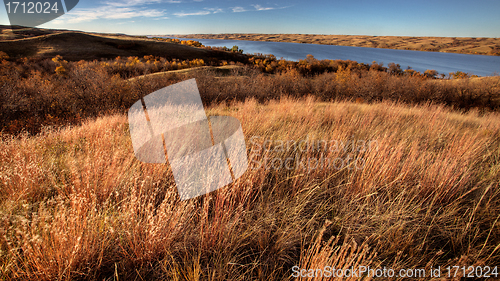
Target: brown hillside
{"type": "Point", "coordinates": [74, 45]}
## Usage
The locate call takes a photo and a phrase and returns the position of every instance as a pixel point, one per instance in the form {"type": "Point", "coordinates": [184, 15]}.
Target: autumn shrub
{"type": "Point", "coordinates": [55, 92]}
{"type": "Point", "coordinates": [349, 84]}
{"type": "Point", "coordinates": [182, 42]}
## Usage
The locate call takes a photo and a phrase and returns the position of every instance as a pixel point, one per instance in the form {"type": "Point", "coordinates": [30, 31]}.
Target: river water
{"type": "Point", "coordinates": [441, 62]}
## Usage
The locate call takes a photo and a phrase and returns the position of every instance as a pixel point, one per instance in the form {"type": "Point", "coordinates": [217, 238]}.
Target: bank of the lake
{"type": "Point", "coordinates": [417, 60]}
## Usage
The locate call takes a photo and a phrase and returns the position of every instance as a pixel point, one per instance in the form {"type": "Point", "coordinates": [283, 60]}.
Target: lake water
{"type": "Point", "coordinates": [420, 61]}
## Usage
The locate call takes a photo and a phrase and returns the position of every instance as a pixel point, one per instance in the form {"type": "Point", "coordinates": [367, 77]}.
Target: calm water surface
{"type": "Point", "coordinates": [420, 61]}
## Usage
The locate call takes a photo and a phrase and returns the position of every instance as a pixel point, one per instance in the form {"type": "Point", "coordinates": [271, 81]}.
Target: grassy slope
{"type": "Point", "coordinates": [218, 70]}
{"type": "Point", "coordinates": [465, 45]}
{"type": "Point", "coordinates": [73, 45]}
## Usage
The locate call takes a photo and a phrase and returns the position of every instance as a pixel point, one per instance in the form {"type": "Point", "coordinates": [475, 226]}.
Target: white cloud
{"type": "Point", "coordinates": [215, 10]}
{"type": "Point", "coordinates": [256, 8]}
{"type": "Point", "coordinates": [128, 9]}
{"type": "Point", "coordinates": [129, 3]}
{"type": "Point", "coordinates": [84, 15]}
{"type": "Point", "coordinates": [114, 10]}
{"type": "Point", "coordinates": [238, 9]}
{"type": "Point", "coordinates": [260, 8]}
{"type": "Point", "coordinates": [200, 13]}
{"type": "Point", "coordinates": [205, 11]}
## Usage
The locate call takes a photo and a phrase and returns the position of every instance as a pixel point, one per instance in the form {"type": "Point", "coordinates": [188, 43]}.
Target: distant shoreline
{"type": "Point", "coordinates": [461, 45]}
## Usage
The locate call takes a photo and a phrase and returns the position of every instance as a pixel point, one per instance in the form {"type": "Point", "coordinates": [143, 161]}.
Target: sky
{"type": "Point", "coordinates": [458, 18]}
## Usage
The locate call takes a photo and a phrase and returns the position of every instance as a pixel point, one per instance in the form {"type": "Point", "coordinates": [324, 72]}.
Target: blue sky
{"type": "Point", "coordinates": [479, 18]}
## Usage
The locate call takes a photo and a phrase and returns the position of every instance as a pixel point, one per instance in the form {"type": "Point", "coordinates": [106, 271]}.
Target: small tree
{"type": "Point", "coordinates": [395, 69]}
{"type": "Point", "coordinates": [61, 65]}
{"type": "Point", "coordinates": [3, 56]}
{"type": "Point", "coordinates": [377, 66]}
{"type": "Point", "coordinates": [60, 70]}
{"type": "Point", "coordinates": [236, 49]}
{"type": "Point", "coordinates": [430, 73]}
{"type": "Point", "coordinates": [461, 75]}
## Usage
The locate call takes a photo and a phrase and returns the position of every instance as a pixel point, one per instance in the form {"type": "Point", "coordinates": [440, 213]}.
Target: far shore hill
{"type": "Point", "coordinates": [463, 45]}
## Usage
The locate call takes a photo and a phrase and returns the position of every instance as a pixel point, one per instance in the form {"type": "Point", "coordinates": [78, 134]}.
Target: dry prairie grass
{"type": "Point", "coordinates": [76, 204]}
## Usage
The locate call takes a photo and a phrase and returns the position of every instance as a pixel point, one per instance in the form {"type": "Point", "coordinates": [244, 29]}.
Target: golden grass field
{"type": "Point", "coordinates": [76, 204]}
{"type": "Point", "coordinates": [463, 45]}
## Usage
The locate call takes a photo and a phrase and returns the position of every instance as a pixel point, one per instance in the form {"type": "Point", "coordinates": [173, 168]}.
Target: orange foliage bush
{"type": "Point", "coordinates": [52, 92]}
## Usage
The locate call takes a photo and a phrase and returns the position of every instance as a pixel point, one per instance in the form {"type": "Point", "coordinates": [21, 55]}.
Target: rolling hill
{"type": "Point", "coordinates": [76, 45]}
